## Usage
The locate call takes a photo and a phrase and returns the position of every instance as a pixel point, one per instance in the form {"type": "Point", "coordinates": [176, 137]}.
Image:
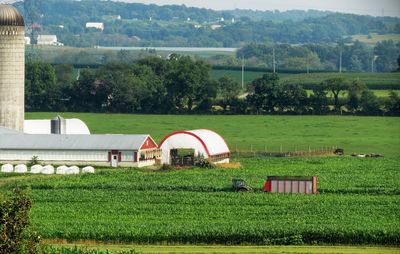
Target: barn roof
{"type": "Point", "coordinates": [4, 130]}
{"type": "Point", "coordinates": [71, 142]}
{"type": "Point", "coordinates": [212, 142]}
{"type": "Point", "coordinates": [73, 126]}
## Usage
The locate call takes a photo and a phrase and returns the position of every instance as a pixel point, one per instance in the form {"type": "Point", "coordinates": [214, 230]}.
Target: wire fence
{"type": "Point", "coordinates": [303, 152]}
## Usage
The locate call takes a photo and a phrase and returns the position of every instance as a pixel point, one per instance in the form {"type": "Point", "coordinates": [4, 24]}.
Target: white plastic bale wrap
{"type": "Point", "coordinates": [7, 168]}
{"type": "Point", "coordinates": [62, 170]}
{"type": "Point", "coordinates": [48, 170]}
{"type": "Point", "coordinates": [21, 168]}
{"type": "Point", "coordinates": [88, 169]}
{"type": "Point", "coordinates": [36, 169]}
{"type": "Point", "coordinates": [73, 170]}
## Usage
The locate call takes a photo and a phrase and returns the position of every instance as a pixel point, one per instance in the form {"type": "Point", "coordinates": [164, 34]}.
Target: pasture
{"type": "Point", "coordinates": [250, 132]}
{"type": "Point", "coordinates": [373, 38]}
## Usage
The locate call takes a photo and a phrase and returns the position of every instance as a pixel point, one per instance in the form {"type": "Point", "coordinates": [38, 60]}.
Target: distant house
{"type": "Point", "coordinates": [215, 27]}
{"type": "Point", "coordinates": [136, 38]}
{"type": "Point", "coordinates": [27, 41]}
{"type": "Point", "coordinates": [112, 17]}
{"type": "Point", "coordinates": [48, 40]}
{"type": "Point", "coordinates": [96, 25]}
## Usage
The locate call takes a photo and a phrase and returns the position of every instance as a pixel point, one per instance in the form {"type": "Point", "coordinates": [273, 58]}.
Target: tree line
{"type": "Point", "coordinates": [355, 57]}
{"type": "Point", "coordinates": [181, 84]}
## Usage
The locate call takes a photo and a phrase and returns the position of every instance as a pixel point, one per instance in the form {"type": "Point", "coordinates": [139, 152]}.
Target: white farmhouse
{"type": "Point", "coordinates": [48, 40]}
{"type": "Point", "coordinates": [96, 25]}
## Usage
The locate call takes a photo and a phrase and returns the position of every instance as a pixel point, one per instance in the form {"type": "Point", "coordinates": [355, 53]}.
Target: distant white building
{"type": "Point", "coordinates": [96, 25]}
{"type": "Point", "coordinates": [48, 40]}
{"type": "Point", "coordinates": [215, 27]}
{"type": "Point", "coordinates": [27, 41]}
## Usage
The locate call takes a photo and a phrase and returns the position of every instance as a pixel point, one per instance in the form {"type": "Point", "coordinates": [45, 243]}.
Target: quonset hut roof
{"type": "Point", "coordinates": [73, 126]}
{"type": "Point", "coordinates": [71, 142]}
{"type": "Point", "coordinates": [9, 16]}
{"type": "Point", "coordinates": [212, 142]}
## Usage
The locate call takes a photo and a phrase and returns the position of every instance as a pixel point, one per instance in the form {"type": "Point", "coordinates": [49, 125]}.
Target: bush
{"type": "Point", "coordinates": [15, 236]}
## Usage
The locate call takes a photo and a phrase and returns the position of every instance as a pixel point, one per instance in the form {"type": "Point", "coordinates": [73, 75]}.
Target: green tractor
{"type": "Point", "coordinates": [239, 185]}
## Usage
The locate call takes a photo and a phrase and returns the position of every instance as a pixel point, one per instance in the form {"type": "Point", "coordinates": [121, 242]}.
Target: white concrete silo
{"type": "Point", "coordinates": [12, 68]}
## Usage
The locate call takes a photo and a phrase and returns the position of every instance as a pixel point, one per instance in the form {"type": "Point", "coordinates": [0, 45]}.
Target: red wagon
{"type": "Point", "coordinates": [291, 184]}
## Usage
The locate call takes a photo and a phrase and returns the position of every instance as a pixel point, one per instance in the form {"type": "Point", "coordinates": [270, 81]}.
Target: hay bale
{"type": "Point", "coordinates": [7, 168]}
{"type": "Point", "coordinates": [62, 170]}
{"type": "Point", "coordinates": [21, 168]}
{"type": "Point", "coordinates": [48, 170]}
{"type": "Point", "coordinates": [88, 169]}
{"type": "Point", "coordinates": [36, 169]}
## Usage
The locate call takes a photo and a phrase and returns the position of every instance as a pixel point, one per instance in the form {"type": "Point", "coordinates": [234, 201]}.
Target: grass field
{"type": "Point", "coordinates": [375, 79]}
{"type": "Point", "coordinates": [374, 38]}
{"type": "Point", "coordinates": [354, 134]}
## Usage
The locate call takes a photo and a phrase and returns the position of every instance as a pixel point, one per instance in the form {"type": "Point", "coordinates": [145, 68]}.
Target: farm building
{"type": "Point", "coordinates": [102, 150]}
{"type": "Point", "coordinates": [57, 125]}
{"type": "Point", "coordinates": [96, 25]}
{"type": "Point", "coordinates": [181, 147]}
{"type": "Point", "coordinates": [48, 40]}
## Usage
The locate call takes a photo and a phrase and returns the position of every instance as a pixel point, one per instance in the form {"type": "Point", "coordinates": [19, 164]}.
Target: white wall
{"type": "Point", "coordinates": [53, 155]}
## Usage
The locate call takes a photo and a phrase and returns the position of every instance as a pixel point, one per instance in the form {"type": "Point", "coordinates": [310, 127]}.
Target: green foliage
{"type": "Point", "coordinates": [34, 160]}
{"type": "Point", "coordinates": [41, 90]}
{"type": "Point", "coordinates": [198, 206]}
{"type": "Point", "coordinates": [169, 25]}
{"type": "Point", "coordinates": [79, 250]}
{"type": "Point", "coordinates": [15, 236]}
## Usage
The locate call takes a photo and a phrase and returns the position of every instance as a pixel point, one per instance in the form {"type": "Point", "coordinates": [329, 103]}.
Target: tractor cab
{"type": "Point", "coordinates": [239, 185]}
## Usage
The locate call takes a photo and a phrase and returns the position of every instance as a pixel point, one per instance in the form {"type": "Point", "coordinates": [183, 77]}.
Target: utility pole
{"type": "Point", "coordinates": [340, 60]}
{"type": "Point", "coordinates": [273, 58]}
{"type": "Point", "coordinates": [242, 72]}
{"type": "Point", "coordinates": [373, 62]}
{"type": "Point", "coordinates": [308, 65]}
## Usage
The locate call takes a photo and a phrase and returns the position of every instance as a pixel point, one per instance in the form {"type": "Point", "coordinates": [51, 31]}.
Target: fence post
{"type": "Point", "coordinates": [281, 148]}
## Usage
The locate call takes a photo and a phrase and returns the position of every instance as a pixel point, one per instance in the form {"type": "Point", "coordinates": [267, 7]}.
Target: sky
{"type": "Point", "coordinates": [368, 7]}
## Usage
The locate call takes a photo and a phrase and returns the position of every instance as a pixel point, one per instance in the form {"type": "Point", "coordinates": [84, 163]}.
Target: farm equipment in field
{"type": "Point", "coordinates": [239, 185]}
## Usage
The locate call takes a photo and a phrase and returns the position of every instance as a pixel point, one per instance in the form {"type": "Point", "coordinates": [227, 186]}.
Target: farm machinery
{"type": "Point", "coordinates": [239, 185]}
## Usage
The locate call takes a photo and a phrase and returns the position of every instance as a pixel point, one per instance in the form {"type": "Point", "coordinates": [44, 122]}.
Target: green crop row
{"type": "Point", "coordinates": [358, 204]}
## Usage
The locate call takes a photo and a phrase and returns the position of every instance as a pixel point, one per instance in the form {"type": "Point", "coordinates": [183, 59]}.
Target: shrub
{"type": "Point", "coordinates": [14, 221]}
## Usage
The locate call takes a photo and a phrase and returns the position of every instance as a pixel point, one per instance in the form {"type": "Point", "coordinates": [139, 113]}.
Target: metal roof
{"type": "Point", "coordinates": [9, 16]}
{"type": "Point", "coordinates": [71, 142]}
{"type": "Point", "coordinates": [212, 142]}
{"type": "Point", "coordinates": [4, 130]}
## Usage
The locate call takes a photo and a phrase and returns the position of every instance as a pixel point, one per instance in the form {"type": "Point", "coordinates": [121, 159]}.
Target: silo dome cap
{"type": "Point", "coordinates": [10, 16]}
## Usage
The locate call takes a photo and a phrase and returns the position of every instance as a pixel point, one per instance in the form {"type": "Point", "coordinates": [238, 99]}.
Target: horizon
{"type": "Point", "coordinates": [359, 7]}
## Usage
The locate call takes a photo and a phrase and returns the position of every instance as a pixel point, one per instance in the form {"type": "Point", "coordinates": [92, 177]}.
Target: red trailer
{"type": "Point", "coordinates": [291, 184]}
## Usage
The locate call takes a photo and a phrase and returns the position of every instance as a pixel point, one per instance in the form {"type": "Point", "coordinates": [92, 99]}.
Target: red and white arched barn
{"type": "Point", "coordinates": [206, 143]}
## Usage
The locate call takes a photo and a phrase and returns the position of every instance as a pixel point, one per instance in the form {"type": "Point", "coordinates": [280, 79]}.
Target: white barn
{"type": "Point", "coordinates": [72, 126]}
{"type": "Point", "coordinates": [102, 150]}
{"type": "Point", "coordinates": [48, 40]}
{"type": "Point", "coordinates": [96, 25]}
{"type": "Point", "coordinates": [206, 143]}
